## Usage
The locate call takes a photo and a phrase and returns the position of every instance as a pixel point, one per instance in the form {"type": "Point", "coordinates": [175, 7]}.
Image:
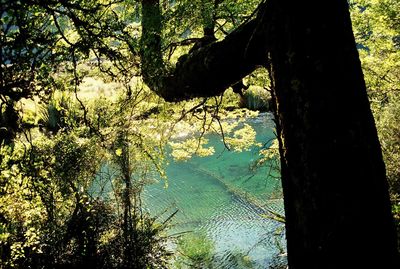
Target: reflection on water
{"type": "Point", "coordinates": [220, 195]}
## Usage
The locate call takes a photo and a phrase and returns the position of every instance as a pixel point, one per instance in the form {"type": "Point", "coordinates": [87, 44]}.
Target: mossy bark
{"type": "Point", "coordinates": [206, 71]}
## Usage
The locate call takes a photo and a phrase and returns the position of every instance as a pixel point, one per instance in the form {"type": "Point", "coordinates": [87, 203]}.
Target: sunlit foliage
{"type": "Point", "coordinates": [81, 135]}
{"type": "Point", "coordinates": [376, 26]}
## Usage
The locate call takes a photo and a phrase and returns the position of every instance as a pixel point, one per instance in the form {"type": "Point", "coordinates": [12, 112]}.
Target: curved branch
{"type": "Point", "coordinates": [206, 71]}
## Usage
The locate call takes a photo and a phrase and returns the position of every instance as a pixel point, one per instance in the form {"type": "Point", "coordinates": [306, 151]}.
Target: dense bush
{"type": "Point", "coordinates": [376, 26]}
{"type": "Point", "coordinates": [50, 216]}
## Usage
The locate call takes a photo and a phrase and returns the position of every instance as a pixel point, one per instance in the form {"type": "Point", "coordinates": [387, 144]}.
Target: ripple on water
{"type": "Point", "coordinates": [243, 231]}
{"type": "Point", "coordinates": [236, 226]}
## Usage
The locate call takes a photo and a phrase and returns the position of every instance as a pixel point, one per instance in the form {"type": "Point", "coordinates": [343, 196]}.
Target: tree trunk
{"type": "Point", "coordinates": [336, 195]}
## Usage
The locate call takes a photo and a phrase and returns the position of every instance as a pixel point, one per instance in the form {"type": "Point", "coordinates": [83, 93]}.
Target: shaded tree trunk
{"type": "Point", "coordinates": [336, 195]}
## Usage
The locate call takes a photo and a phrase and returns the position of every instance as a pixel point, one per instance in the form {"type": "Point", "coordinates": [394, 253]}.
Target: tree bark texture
{"type": "Point", "coordinates": [336, 195]}
{"type": "Point", "coordinates": [335, 191]}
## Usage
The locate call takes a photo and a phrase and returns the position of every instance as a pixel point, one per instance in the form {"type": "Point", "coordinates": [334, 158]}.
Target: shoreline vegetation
{"type": "Point", "coordinates": [80, 87]}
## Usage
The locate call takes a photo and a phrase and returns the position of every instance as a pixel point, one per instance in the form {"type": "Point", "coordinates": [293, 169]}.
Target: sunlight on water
{"type": "Point", "coordinates": [222, 196]}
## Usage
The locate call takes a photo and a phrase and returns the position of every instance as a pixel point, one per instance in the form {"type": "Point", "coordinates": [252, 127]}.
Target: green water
{"type": "Point", "coordinates": [223, 197]}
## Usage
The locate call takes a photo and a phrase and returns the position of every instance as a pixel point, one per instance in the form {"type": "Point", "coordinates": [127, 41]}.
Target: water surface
{"type": "Point", "coordinates": [223, 197]}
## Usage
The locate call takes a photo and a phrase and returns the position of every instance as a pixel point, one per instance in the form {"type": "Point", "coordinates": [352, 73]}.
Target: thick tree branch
{"type": "Point", "coordinates": [206, 71]}
{"type": "Point", "coordinates": [324, 124]}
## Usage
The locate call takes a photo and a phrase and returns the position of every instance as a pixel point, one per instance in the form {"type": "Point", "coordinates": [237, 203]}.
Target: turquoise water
{"type": "Point", "coordinates": [221, 196]}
